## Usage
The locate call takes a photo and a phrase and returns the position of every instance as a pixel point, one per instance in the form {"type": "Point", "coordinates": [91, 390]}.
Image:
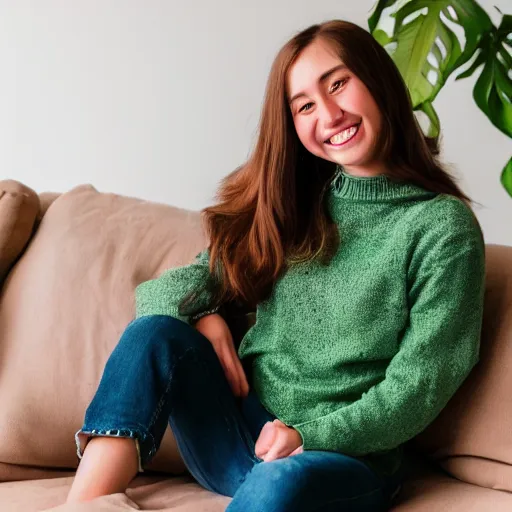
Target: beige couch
{"type": "Point", "coordinates": [68, 266]}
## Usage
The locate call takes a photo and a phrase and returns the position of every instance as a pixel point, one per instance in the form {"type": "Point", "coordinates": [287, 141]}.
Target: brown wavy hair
{"type": "Point", "coordinates": [271, 211]}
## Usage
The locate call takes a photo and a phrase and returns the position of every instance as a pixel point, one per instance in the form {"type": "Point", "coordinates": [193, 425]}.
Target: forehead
{"type": "Point", "coordinates": [310, 65]}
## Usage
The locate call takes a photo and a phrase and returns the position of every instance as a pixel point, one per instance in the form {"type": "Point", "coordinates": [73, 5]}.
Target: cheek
{"type": "Point", "coordinates": [360, 103]}
{"type": "Point", "coordinates": [305, 129]}
{"type": "Point", "coordinates": [375, 119]}
{"type": "Point", "coordinates": [372, 113]}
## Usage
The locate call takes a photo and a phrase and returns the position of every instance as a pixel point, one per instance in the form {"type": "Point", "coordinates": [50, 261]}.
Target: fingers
{"type": "Point", "coordinates": [242, 378]}
{"type": "Point", "coordinates": [285, 443]}
{"type": "Point", "coordinates": [231, 372]}
{"type": "Point", "coordinates": [243, 385]}
{"type": "Point", "coordinates": [214, 328]}
{"type": "Point", "coordinates": [298, 450]}
{"type": "Point", "coordinates": [279, 448]}
{"type": "Point", "coordinates": [265, 439]}
{"type": "Point", "coordinates": [234, 371]}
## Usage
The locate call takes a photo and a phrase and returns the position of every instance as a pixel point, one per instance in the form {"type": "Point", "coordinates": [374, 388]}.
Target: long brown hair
{"type": "Point", "coordinates": [271, 210]}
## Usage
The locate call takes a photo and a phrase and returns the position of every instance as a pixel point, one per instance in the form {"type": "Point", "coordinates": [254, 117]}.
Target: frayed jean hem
{"type": "Point", "coordinates": [82, 437]}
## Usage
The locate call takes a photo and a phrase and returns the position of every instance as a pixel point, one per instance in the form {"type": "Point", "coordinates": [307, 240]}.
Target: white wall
{"type": "Point", "coordinates": [160, 99]}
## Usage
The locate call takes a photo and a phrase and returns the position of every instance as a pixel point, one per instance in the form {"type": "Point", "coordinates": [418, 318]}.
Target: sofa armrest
{"type": "Point", "coordinates": [19, 207]}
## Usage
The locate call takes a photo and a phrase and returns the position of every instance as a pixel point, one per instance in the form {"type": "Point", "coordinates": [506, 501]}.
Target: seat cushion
{"type": "Point", "coordinates": [63, 308]}
{"type": "Point", "coordinates": [156, 493]}
{"type": "Point", "coordinates": [426, 490]}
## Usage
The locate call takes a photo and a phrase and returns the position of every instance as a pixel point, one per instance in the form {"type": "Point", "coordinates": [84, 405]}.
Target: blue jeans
{"type": "Point", "coordinates": [165, 371]}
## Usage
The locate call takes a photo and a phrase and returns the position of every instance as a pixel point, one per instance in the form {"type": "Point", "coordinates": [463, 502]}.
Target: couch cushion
{"type": "Point", "coordinates": [19, 207]}
{"type": "Point", "coordinates": [45, 200]}
{"type": "Point", "coordinates": [146, 492]}
{"type": "Point", "coordinates": [472, 436]}
{"type": "Point", "coordinates": [426, 490]}
{"type": "Point", "coordinates": [429, 490]}
{"type": "Point", "coordinates": [14, 473]}
{"type": "Point", "coordinates": [65, 305]}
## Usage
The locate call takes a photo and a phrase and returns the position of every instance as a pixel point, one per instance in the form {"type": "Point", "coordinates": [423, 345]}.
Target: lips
{"type": "Point", "coordinates": [343, 140]}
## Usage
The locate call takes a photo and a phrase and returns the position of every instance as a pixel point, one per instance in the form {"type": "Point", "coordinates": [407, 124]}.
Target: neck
{"type": "Point", "coordinates": [366, 171]}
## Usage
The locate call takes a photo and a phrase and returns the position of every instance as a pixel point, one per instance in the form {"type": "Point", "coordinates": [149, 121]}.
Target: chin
{"type": "Point", "coordinates": [352, 162]}
{"type": "Point", "coordinates": [356, 159]}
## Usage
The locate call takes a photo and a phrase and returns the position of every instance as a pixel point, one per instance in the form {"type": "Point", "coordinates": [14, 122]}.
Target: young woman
{"type": "Point", "coordinates": [365, 265]}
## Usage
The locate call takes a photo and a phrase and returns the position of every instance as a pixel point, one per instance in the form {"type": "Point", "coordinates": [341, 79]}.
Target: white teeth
{"type": "Point", "coordinates": [343, 136]}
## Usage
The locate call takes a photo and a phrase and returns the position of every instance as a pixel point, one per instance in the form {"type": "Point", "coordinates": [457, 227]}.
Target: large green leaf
{"type": "Point", "coordinates": [493, 89]}
{"type": "Point", "coordinates": [377, 11]}
{"type": "Point", "coordinates": [417, 53]}
{"type": "Point", "coordinates": [382, 37]}
{"type": "Point", "coordinates": [433, 127]}
{"type": "Point", "coordinates": [425, 66]}
{"type": "Point", "coordinates": [506, 177]}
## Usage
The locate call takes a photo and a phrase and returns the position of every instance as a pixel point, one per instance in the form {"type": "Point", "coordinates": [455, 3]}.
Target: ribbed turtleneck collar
{"type": "Point", "coordinates": [373, 188]}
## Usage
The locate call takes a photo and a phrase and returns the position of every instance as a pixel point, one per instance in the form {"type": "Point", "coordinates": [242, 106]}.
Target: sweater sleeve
{"type": "Point", "coordinates": [163, 295]}
{"type": "Point", "coordinates": [438, 348]}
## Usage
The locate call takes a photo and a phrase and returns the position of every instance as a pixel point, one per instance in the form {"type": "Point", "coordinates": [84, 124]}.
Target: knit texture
{"type": "Point", "coordinates": [163, 295]}
{"type": "Point", "coordinates": [361, 355]}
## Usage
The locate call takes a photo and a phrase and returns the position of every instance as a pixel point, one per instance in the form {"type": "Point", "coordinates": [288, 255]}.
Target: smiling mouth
{"type": "Point", "coordinates": [343, 137]}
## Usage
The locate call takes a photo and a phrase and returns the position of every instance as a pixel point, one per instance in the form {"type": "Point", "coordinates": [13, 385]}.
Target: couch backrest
{"type": "Point", "coordinates": [19, 208]}
{"type": "Point", "coordinates": [63, 308]}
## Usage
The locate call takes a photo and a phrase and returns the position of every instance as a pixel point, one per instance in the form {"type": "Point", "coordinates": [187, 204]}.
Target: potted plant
{"type": "Point", "coordinates": [424, 45]}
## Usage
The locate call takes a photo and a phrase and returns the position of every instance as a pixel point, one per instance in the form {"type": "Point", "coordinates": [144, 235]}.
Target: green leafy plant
{"type": "Point", "coordinates": [424, 45]}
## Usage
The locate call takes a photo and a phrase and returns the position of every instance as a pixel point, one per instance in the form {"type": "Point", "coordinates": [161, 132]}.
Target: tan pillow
{"type": "Point", "coordinates": [19, 207]}
{"type": "Point", "coordinates": [64, 307]}
{"type": "Point", "coordinates": [45, 199]}
{"type": "Point", "coordinates": [472, 437]}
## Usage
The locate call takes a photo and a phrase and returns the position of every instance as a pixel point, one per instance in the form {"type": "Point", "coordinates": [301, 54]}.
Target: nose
{"type": "Point", "coordinates": [331, 113]}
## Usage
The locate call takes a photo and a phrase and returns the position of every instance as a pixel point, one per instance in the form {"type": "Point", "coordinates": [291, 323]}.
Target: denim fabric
{"type": "Point", "coordinates": [165, 371]}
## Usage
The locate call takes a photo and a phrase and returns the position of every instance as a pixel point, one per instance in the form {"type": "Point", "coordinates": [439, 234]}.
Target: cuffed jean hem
{"type": "Point", "coordinates": [82, 437]}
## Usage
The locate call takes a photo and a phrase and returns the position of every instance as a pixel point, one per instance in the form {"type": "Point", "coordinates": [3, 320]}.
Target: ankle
{"type": "Point", "coordinates": [108, 465]}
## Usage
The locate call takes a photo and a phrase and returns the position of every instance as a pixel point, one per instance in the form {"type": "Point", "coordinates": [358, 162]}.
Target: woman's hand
{"type": "Point", "coordinates": [276, 441]}
{"type": "Point", "coordinates": [215, 328]}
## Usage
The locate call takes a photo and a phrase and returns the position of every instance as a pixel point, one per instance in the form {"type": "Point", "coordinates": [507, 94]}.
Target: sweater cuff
{"type": "Point", "coordinates": [198, 316]}
{"type": "Point", "coordinates": [310, 435]}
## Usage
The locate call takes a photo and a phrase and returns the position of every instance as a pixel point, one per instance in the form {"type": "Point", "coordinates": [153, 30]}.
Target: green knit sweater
{"type": "Point", "coordinates": [361, 355]}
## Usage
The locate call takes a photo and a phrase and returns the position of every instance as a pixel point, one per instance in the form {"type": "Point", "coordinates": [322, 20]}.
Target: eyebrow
{"type": "Point", "coordinates": [323, 78]}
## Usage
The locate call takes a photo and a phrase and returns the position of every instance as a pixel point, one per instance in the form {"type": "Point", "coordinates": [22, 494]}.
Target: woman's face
{"type": "Point", "coordinates": [335, 116]}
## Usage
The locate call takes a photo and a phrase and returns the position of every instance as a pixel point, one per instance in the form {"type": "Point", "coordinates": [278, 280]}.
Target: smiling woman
{"type": "Point", "coordinates": [365, 265]}
{"type": "Point", "coordinates": [335, 116]}
{"type": "Point", "coordinates": [325, 80]}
